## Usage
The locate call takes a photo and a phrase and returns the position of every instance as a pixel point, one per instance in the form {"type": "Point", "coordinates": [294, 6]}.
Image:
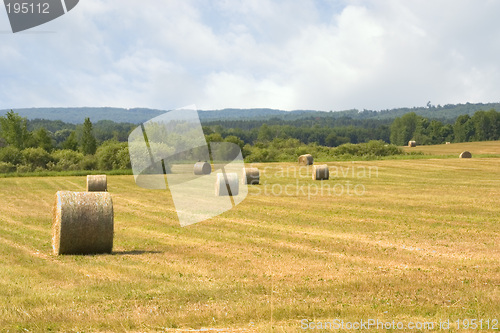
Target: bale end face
{"type": "Point", "coordinates": [202, 168]}
{"type": "Point", "coordinates": [465, 154]}
{"type": "Point", "coordinates": [82, 223]}
{"type": "Point", "coordinates": [412, 144]}
{"type": "Point", "coordinates": [97, 183]}
{"type": "Point", "coordinates": [229, 188]}
{"type": "Point", "coordinates": [306, 159]}
{"type": "Point", "coordinates": [250, 176]}
{"type": "Point", "coordinates": [320, 172]}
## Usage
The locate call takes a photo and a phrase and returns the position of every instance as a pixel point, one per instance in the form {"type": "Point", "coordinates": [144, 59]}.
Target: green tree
{"type": "Point", "coordinates": [446, 133]}
{"type": "Point", "coordinates": [486, 125]}
{"type": "Point", "coordinates": [89, 143]}
{"type": "Point", "coordinates": [234, 139]}
{"type": "Point", "coordinates": [463, 129]}
{"type": "Point", "coordinates": [495, 124]}
{"type": "Point", "coordinates": [15, 130]}
{"type": "Point", "coordinates": [435, 132]}
{"type": "Point", "coordinates": [265, 133]}
{"type": "Point", "coordinates": [11, 155]}
{"type": "Point", "coordinates": [214, 137]}
{"type": "Point", "coordinates": [332, 140]}
{"type": "Point", "coordinates": [421, 133]}
{"type": "Point", "coordinates": [61, 135]}
{"type": "Point", "coordinates": [403, 129]}
{"type": "Point", "coordinates": [71, 142]}
{"type": "Point", "coordinates": [43, 139]}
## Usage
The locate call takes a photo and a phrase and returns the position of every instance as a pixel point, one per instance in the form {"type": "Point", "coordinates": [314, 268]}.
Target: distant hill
{"type": "Point", "coordinates": [447, 113]}
{"type": "Point", "coordinates": [78, 115]}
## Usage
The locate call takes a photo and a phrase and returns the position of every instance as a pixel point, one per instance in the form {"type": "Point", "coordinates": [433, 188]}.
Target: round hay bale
{"type": "Point", "coordinates": [412, 143]}
{"type": "Point", "coordinates": [320, 172]}
{"type": "Point", "coordinates": [466, 154]}
{"type": "Point", "coordinates": [306, 159]}
{"type": "Point", "coordinates": [82, 223]}
{"type": "Point", "coordinates": [97, 183]}
{"type": "Point", "coordinates": [250, 176]}
{"type": "Point", "coordinates": [448, 143]}
{"type": "Point", "coordinates": [202, 168]}
{"type": "Point", "coordinates": [221, 187]}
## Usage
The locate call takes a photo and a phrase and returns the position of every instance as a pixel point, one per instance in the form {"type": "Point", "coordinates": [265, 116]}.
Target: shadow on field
{"type": "Point", "coordinates": [135, 252]}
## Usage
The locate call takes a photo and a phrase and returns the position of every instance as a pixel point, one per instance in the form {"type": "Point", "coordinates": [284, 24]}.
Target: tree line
{"type": "Point", "coordinates": [482, 126]}
{"type": "Point", "coordinates": [30, 146]}
{"type": "Point", "coordinates": [36, 145]}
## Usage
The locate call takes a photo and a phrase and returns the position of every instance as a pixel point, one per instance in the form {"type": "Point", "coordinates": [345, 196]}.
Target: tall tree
{"type": "Point", "coordinates": [403, 129]}
{"type": "Point", "coordinates": [15, 130]}
{"type": "Point", "coordinates": [463, 128]}
{"type": "Point", "coordinates": [89, 143]}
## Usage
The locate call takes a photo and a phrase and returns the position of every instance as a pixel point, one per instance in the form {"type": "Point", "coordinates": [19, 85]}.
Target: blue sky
{"type": "Point", "coordinates": [324, 55]}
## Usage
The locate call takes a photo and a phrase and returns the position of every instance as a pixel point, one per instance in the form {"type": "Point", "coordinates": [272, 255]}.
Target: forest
{"type": "Point", "coordinates": [53, 145]}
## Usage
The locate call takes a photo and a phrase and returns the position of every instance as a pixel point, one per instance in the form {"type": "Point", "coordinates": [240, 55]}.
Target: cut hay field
{"type": "Point", "coordinates": [483, 148]}
{"type": "Point", "coordinates": [403, 240]}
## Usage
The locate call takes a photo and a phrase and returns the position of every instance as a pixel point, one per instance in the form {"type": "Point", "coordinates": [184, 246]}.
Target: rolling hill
{"type": "Point", "coordinates": [77, 115]}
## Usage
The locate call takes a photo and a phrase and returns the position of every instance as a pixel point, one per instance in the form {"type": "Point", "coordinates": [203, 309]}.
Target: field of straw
{"type": "Point", "coordinates": [404, 240]}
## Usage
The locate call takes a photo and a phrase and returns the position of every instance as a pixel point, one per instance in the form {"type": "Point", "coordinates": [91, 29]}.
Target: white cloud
{"type": "Point", "coordinates": [326, 55]}
{"type": "Point", "coordinates": [245, 90]}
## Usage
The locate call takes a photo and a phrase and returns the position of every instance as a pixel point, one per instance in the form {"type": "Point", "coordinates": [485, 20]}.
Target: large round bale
{"type": "Point", "coordinates": [306, 159]}
{"type": "Point", "coordinates": [82, 223]}
{"type": "Point", "coordinates": [202, 168]}
{"type": "Point", "coordinates": [412, 143]}
{"type": "Point", "coordinates": [250, 176]}
{"type": "Point", "coordinates": [97, 183]}
{"type": "Point", "coordinates": [320, 172]}
{"type": "Point", "coordinates": [466, 154]}
{"type": "Point", "coordinates": [221, 187]}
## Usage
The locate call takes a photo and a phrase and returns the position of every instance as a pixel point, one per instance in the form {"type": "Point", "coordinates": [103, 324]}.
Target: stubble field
{"type": "Point", "coordinates": [404, 240]}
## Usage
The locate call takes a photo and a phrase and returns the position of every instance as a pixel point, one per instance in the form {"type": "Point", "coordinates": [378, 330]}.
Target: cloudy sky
{"type": "Point", "coordinates": [284, 54]}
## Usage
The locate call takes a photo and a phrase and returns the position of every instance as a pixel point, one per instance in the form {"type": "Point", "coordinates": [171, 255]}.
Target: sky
{"type": "Point", "coordinates": [282, 54]}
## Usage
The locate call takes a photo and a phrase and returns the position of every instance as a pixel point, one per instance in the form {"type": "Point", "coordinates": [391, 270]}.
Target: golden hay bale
{"type": "Point", "coordinates": [448, 143]}
{"type": "Point", "coordinates": [250, 176]}
{"type": "Point", "coordinates": [465, 154]}
{"type": "Point", "coordinates": [82, 223]}
{"type": "Point", "coordinates": [97, 183]}
{"type": "Point", "coordinates": [412, 143]}
{"type": "Point", "coordinates": [202, 168]}
{"type": "Point", "coordinates": [306, 159]}
{"type": "Point", "coordinates": [320, 172]}
{"type": "Point", "coordinates": [221, 186]}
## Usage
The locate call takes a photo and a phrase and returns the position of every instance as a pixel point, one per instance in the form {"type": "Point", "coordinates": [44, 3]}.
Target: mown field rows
{"type": "Point", "coordinates": [476, 148]}
{"type": "Point", "coordinates": [413, 240]}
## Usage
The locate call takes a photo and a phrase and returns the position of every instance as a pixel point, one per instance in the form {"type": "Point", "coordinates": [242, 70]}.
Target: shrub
{"type": "Point", "coordinates": [11, 155]}
{"type": "Point", "coordinates": [6, 167]}
{"type": "Point", "coordinates": [65, 159]}
{"type": "Point", "coordinates": [35, 158]}
{"type": "Point", "coordinates": [113, 155]}
{"type": "Point", "coordinates": [23, 168]}
{"type": "Point", "coordinates": [89, 162]}
{"type": "Point", "coordinates": [370, 149]}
